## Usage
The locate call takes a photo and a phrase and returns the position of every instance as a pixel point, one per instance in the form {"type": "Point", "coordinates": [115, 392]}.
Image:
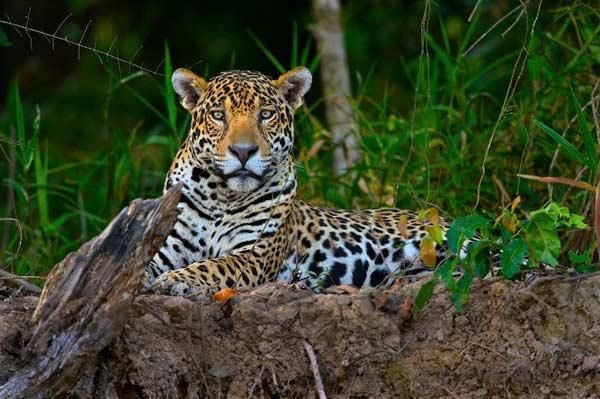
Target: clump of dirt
{"type": "Point", "coordinates": [512, 340]}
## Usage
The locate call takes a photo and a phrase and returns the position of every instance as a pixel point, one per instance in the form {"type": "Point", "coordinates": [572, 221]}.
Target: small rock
{"type": "Point", "coordinates": [219, 371]}
{"type": "Point", "coordinates": [590, 363]}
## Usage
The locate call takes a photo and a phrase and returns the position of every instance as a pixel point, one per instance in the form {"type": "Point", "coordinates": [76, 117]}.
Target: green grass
{"type": "Point", "coordinates": [497, 106]}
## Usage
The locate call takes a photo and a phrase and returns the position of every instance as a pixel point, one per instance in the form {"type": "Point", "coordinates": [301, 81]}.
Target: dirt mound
{"type": "Point", "coordinates": [541, 341]}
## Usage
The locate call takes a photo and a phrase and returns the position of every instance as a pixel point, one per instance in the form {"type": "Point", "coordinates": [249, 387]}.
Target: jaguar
{"type": "Point", "coordinates": [240, 222]}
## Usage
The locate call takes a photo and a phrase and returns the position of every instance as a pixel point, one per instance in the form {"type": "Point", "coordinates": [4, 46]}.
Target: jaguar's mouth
{"type": "Point", "coordinates": [242, 174]}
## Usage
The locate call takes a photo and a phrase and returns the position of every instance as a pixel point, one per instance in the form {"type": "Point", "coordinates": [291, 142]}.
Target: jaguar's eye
{"type": "Point", "coordinates": [266, 114]}
{"type": "Point", "coordinates": [217, 115]}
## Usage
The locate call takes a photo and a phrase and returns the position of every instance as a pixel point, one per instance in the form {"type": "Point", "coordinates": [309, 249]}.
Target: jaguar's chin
{"type": "Point", "coordinates": [243, 181]}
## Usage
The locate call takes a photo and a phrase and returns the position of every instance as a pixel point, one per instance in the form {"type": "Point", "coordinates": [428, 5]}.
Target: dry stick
{"type": "Point", "coordinates": [315, 369]}
{"type": "Point", "coordinates": [424, 53]}
{"type": "Point", "coordinates": [81, 40]}
{"type": "Point", "coordinates": [515, 78]}
{"type": "Point", "coordinates": [10, 192]}
{"type": "Point", "coordinates": [4, 275]}
{"type": "Point", "coordinates": [480, 38]}
{"type": "Point", "coordinates": [80, 45]}
{"type": "Point", "coordinates": [27, 28]}
{"type": "Point", "coordinates": [19, 228]}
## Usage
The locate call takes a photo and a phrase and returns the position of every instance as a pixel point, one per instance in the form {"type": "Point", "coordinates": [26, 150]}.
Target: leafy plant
{"type": "Point", "coordinates": [508, 246]}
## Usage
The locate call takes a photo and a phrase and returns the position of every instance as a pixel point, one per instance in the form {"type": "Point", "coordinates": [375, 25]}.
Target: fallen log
{"type": "Point", "coordinates": [86, 299]}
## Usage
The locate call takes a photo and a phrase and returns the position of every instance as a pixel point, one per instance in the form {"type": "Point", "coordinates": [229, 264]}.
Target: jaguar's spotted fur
{"type": "Point", "coordinates": [240, 223]}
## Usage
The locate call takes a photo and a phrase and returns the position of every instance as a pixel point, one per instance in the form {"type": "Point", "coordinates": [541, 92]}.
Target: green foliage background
{"type": "Point", "coordinates": [442, 91]}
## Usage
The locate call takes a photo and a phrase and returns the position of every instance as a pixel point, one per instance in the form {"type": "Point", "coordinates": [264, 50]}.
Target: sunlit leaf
{"type": "Point", "coordinates": [510, 222]}
{"type": "Point", "coordinates": [436, 233]}
{"type": "Point", "coordinates": [427, 252]}
{"type": "Point", "coordinates": [543, 239]}
{"type": "Point", "coordinates": [515, 203]}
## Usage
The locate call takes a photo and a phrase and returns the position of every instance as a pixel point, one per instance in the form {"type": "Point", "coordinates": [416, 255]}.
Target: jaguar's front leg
{"type": "Point", "coordinates": [240, 270]}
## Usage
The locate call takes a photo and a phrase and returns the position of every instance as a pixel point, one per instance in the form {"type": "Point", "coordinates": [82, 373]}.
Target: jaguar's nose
{"type": "Point", "coordinates": [243, 151]}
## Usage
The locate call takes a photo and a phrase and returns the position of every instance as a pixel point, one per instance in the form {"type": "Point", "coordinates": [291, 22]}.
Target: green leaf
{"type": "Point", "coordinates": [16, 116]}
{"type": "Point", "coordinates": [267, 53]}
{"type": "Point", "coordinates": [424, 295]}
{"type": "Point", "coordinates": [170, 92]}
{"type": "Point", "coordinates": [479, 258]}
{"type": "Point", "coordinates": [464, 228]}
{"type": "Point", "coordinates": [588, 140]}
{"type": "Point", "coordinates": [584, 257]}
{"type": "Point", "coordinates": [569, 149]}
{"type": "Point", "coordinates": [512, 258]}
{"type": "Point", "coordinates": [436, 233]}
{"type": "Point", "coordinates": [543, 239]}
{"type": "Point", "coordinates": [294, 55]}
{"type": "Point", "coordinates": [460, 295]}
{"type": "Point", "coordinates": [4, 42]}
{"type": "Point", "coordinates": [445, 272]}
{"type": "Point", "coordinates": [41, 175]}
{"type": "Point", "coordinates": [561, 216]}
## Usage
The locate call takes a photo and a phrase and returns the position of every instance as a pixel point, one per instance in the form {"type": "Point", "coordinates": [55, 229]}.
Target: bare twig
{"type": "Point", "coordinates": [474, 11]}
{"type": "Point", "coordinates": [19, 228]}
{"type": "Point", "coordinates": [480, 38]}
{"type": "Point", "coordinates": [27, 28]}
{"type": "Point", "coordinates": [315, 369]}
{"type": "Point", "coordinates": [21, 280]}
{"type": "Point", "coordinates": [81, 40]}
{"type": "Point", "coordinates": [513, 83]}
{"type": "Point", "coordinates": [52, 37]}
{"type": "Point", "coordinates": [10, 192]}
{"type": "Point", "coordinates": [58, 28]}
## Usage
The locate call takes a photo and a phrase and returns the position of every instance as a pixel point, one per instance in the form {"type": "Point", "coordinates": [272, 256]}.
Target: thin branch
{"type": "Point", "coordinates": [474, 11]}
{"type": "Point", "coordinates": [480, 38]}
{"type": "Point", "coordinates": [58, 28]}
{"type": "Point", "coordinates": [16, 30]}
{"type": "Point", "coordinates": [513, 83]}
{"type": "Point", "coordinates": [21, 280]}
{"type": "Point", "coordinates": [27, 28]}
{"type": "Point", "coordinates": [19, 228]}
{"type": "Point", "coordinates": [315, 369]}
{"type": "Point", "coordinates": [54, 36]}
{"type": "Point", "coordinates": [81, 40]}
{"type": "Point", "coordinates": [132, 57]}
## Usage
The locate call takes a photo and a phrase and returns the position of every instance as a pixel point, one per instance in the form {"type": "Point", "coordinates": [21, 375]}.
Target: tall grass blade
{"type": "Point", "coordinates": [569, 149]}
{"type": "Point", "coordinates": [267, 53]}
{"type": "Point", "coordinates": [169, 92]}
{"type": "Point", "coordinates": [18, 120]}
{"type": "Point", "coordinates": [41, 175]}
{"type": "Point", "coordinates": [294, 55]}
{"type": "Point", "coordinates": [589, 142]}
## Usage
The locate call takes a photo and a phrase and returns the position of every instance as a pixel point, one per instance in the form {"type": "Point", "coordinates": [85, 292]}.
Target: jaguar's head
{"type": "Point", "coordinates": [242, 121]}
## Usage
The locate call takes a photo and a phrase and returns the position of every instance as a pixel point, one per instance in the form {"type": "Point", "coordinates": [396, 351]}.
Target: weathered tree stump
{"type": "Point", "coordinates": [86, 299]}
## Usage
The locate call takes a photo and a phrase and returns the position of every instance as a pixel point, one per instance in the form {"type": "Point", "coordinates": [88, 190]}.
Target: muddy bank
{"type": "Point", "coordinates": [511, 341]}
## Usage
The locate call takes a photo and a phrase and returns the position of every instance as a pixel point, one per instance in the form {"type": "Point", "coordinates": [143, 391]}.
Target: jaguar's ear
{"type": "Point", "coordinates": [294, 84]}
{"type": "Point", "coordinates": [188, 87]}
